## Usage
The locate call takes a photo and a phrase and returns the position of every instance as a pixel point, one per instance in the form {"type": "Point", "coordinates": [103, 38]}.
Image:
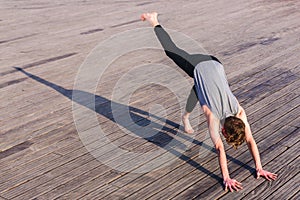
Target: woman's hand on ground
{"type": "Point", "coordinates": [232, 184]}
{"type": "Point", "coordinates": [267, 175]}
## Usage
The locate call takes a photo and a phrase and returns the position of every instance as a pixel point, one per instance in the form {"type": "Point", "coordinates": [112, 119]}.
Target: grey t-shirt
{"type": "Point", "coordinates": [213, 90]}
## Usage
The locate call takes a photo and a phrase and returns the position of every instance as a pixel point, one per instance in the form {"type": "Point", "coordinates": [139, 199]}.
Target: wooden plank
{"type": "Point", "coordinates": [82, 180]}
{"type": "Point", "coordinates": [29, 85]}
{"type": "Point", "coordinates": [289, 107]}
{"type": "Point", "coordinates": [15, 149]}
{"type": "Point", "coordinates": [98, 180]}
{"type": "Point", "coordinates": [32, 124]}
{"type": "Point", "coordinates": [266, 88]}
{"type": "Point", "coordinates": [144, 186]}
{"type": "Point", "coordinates": [44, 167]}
{"type": "Point", "coordinates": [296, 196]}
{"type": "Point", "coordinates": [260, 77]}
{"type": "Point", "coordinates": [31, 100]}
{"type": "Point", "coordinates": [40, 141]}
{"type": "Point", "coordinates": [100, 192]}
{"type": "Point", "coordinates": [262, 61]}
{"type": "Point", "coordinates": [263, 66]}
{"type": "Point", "coordinates": [268, 108]}
{"type": "Point", "coordinates": [74, 176]}
{"type": "Point", "coordinates": [35, 157]}
{"type": "Point", "coordinates": [114, 76]}
{"type": "Point", "coordinates": [286, 176]}
{"type": "Point", "coordinates": [289, 88]}
{"type": "Point", "coordinates": [32, 183]}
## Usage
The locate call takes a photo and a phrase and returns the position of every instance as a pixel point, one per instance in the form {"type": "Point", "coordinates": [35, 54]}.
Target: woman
{"type": "Point", "coordinates": [217, 102]}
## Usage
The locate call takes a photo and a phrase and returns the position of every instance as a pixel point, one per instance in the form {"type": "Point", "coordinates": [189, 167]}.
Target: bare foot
{"type": "Point", "coordinates": [150, 17]}
{"type": "Point", "coordinates": [186, 123]}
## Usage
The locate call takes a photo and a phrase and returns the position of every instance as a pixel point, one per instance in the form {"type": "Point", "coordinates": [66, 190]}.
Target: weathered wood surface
{"type": "Point", "coordinates": [41, 154]}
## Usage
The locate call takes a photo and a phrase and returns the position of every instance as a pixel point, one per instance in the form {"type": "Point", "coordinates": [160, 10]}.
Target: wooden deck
{"type": "Point", "coordinates": [41, 154]}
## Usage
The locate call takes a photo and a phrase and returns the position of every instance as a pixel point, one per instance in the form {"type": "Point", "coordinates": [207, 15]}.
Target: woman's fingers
{"type": "Point", "coordinates": [235, 187]}
{"type": "Point", "coordinates": [232, 184]}
{"type": "Point", "coordinates": [239, 185]}
{"type": "Point", "coordinates": [230, 188]}
{"type": "Point", "coordinates": [143, 18]}
{"type": "Point", "coordinates": [274, 177]}
{"type": "Point", "coordinates": [267, 177]}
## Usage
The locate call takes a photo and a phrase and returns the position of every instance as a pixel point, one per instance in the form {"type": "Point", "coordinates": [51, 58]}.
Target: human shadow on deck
{"type": "Point", "coordinates": [103, 106]}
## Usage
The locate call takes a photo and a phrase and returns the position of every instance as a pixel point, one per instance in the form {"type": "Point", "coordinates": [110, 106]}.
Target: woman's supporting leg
{"type": "Point", "coordinates": [190, 105]}
{"type": "Point", "coordinates": [191, 101]}
{"type": "Point", "coordinates": [186, 123]}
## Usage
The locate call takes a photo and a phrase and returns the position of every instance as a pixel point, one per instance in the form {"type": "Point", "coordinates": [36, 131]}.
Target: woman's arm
{"type": "Point", "coordinates": [232, 184]}
{"type": "Point", "coordinates": [253, 148]}
{"type": "Point", "coordinates": [250, 140]}
{"type": "Point", "coordinates": [213, 127]}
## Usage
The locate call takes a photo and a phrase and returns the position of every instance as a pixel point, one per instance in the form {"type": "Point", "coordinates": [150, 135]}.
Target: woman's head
{"type": "Point", "coordinates": [234, 131]}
